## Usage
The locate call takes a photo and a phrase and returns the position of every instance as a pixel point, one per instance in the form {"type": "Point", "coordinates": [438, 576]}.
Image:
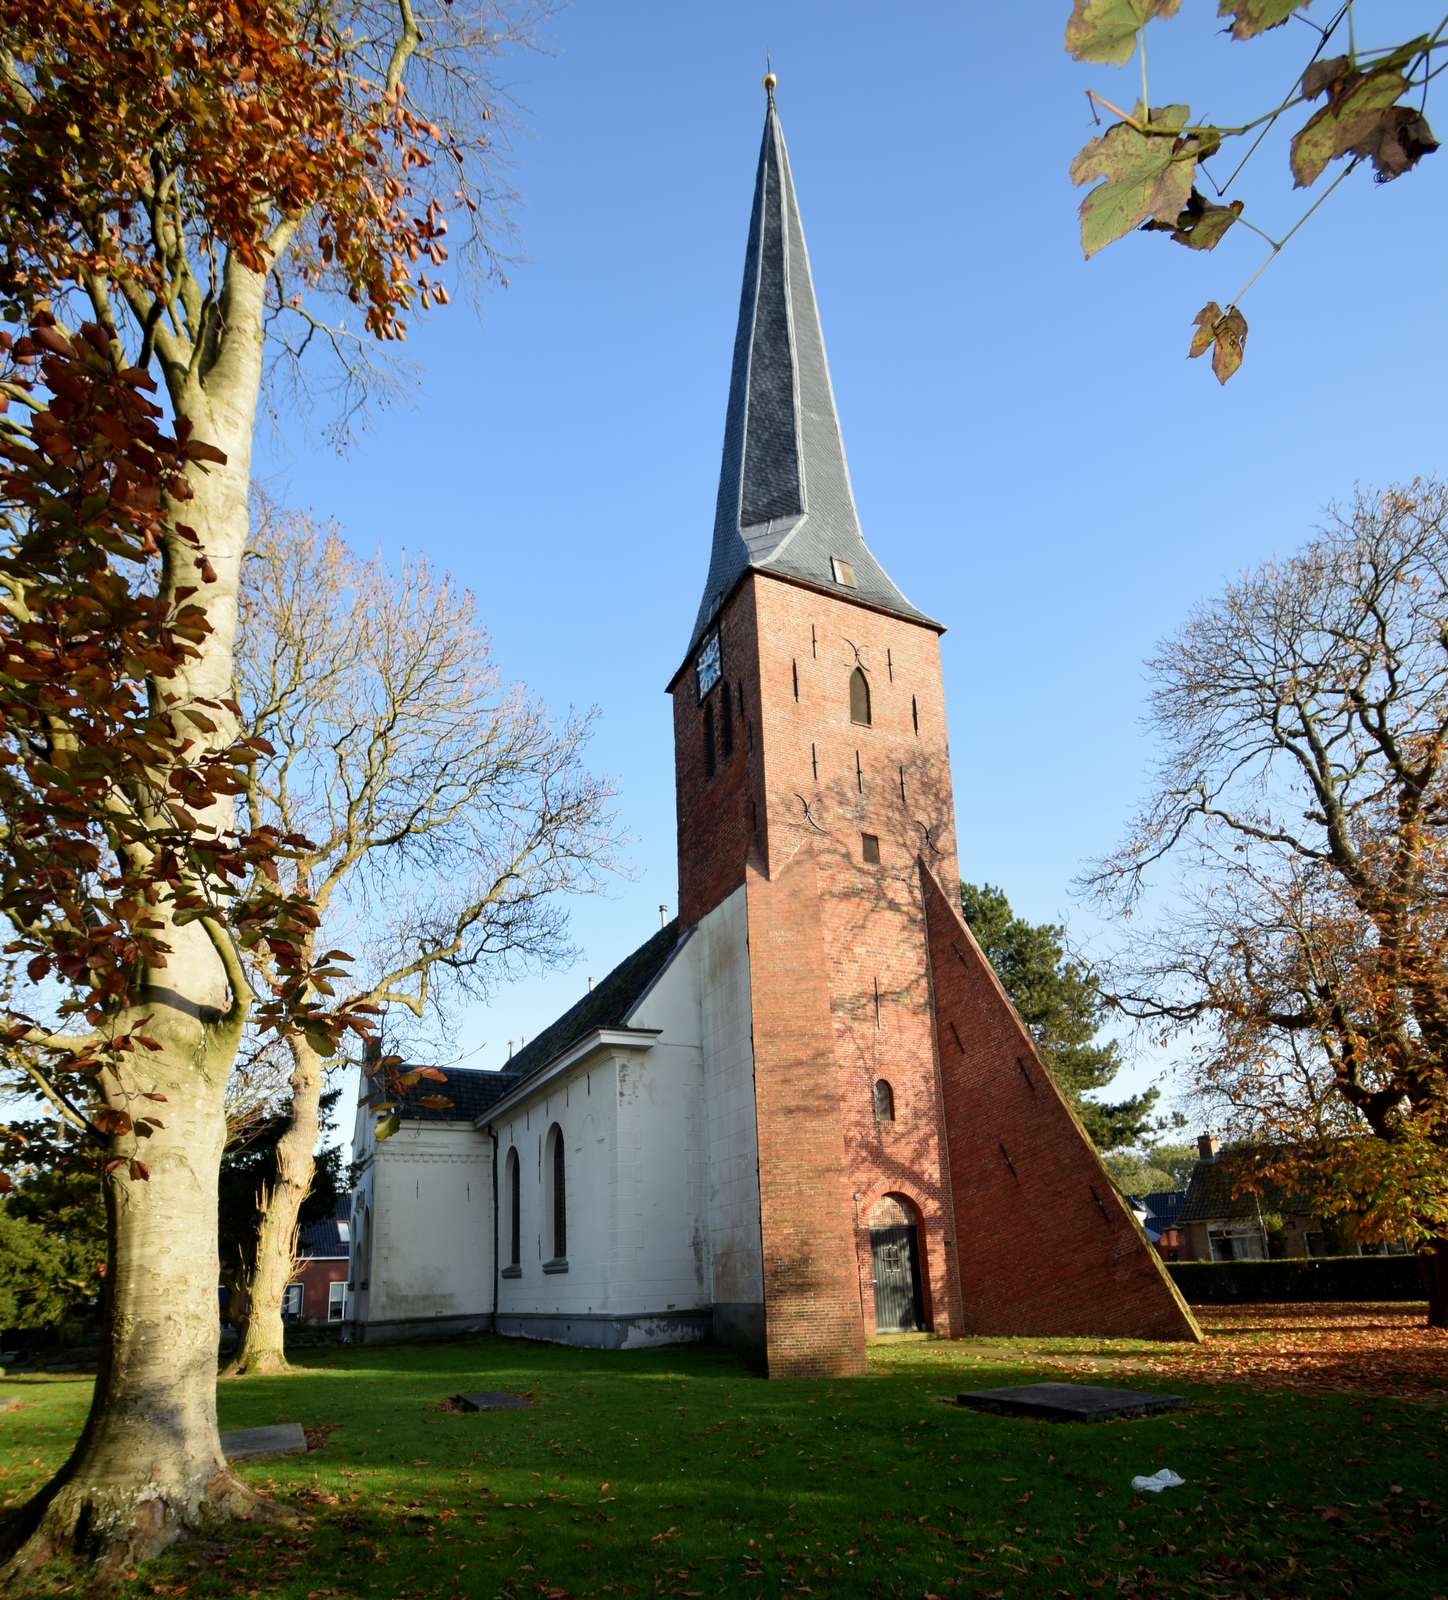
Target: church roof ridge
{"type": "Point", "coordinates": [608, 1005]}
{"type": "Point", "coordinates": [785, 502]}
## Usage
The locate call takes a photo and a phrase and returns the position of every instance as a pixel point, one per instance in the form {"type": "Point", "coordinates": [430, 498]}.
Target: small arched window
{"type": "Point", "coordinates": [515, 1211]}
{"type": "Point", "coordinates": [558, 1208]}
{"type": "Point", "coordinates": [859, 698]}
{"type": "Point", "coordinates": [884, 1102]}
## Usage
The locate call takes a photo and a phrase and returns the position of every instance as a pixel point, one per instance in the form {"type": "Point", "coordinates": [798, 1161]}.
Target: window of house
{"type": "Point", "coordinates": [870, 847]}
{"type": "Point", "coordinates": [1236, 1243]}
{"type": "Point", "coordinates": [515, 1211]}
{"type": "Point", "coordinates": [292, 1303]}
{"type": "Point", "coordinates": [336, 1301]}
{"type": "Point", "coordinates": [884, 1102]}
{"type": "Point", "coordinates": [556, 1220]}
{"type": "Point", "coordinates": [844, 572]}
{"type": "Point", "coordinates": [859, 698]}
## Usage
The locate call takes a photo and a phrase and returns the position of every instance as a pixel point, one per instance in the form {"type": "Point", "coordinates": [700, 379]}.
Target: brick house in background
{"type": "Point", "coordinates": [804, 1114]}
{"type": "Point", "coordinates": [318, 1290]}
{"type": "Point", "coordinates": [1214, 1224]}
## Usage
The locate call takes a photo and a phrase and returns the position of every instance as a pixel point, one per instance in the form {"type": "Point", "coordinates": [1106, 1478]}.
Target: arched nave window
{"type": "Point", "coordinates": [558, 1198]}
{"type": "Point", "coordinates": [515, 1209]}
{"type": "Point", "coordinates": [884, 1102]}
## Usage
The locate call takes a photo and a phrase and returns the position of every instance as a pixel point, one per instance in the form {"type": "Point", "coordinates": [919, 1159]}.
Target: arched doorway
{"type": "Point", "coordinates": [895, 1267]}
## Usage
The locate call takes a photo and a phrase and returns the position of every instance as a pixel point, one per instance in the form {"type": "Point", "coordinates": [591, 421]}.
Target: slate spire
{"type": "Point", "coordinates": [785, 503]}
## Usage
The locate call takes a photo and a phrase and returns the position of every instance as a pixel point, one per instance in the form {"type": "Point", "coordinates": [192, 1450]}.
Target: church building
{"type": "Point", "coordinates": [804, 1114]}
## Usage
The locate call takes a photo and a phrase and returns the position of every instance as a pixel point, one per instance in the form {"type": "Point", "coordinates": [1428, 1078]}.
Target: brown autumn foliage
{"type": "Point", "coordinates": [176, 181]}
{"type": "Point", "coordinates": [1299, 942]}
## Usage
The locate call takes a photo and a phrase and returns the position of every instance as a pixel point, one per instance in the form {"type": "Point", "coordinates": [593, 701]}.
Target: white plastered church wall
{"type": "Point", "coordinates": [661, 1168]}
{"type": "Point", "coordinates": [661, 1182]}
{"type": "Point", "coordinates": [424, 1243]}
{"type": "Point", "coordinates": [731, 1135]}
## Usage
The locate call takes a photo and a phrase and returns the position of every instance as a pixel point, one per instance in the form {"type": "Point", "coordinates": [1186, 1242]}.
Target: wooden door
{"type": "Point", "coordinates": [895, 1267]}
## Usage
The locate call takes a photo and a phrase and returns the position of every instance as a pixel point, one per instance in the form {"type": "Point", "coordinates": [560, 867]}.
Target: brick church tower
{"type": "Point", "coordinates": [917, 1167]}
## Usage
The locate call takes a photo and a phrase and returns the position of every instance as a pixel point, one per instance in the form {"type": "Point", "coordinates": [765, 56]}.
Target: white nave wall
{"type": "Point", "coordinates": [661, 1181]}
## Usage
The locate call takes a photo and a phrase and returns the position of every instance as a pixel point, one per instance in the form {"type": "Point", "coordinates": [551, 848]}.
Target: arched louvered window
{"type": "Point", "coordinates": [859, 698]}
{"type": "Point", "coordinates": [884, 1102]}
{"type": "Point", "coordinates": [559, 1207]}
{"type": "Point", "coordinates": [515, 1211]}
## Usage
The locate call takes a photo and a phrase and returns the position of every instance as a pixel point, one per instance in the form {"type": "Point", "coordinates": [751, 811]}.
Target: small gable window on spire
{"type": "Point", "coordinates": [859, 698]}
{"type": "Point", "coordinates": [843, 572]}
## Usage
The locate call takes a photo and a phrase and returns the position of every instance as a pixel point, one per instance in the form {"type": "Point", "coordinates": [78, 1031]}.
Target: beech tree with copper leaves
{"type": "Point", "coordinates": [1158, 170]}
{"type": "Point", "coordinates": [1298, 940]}
{"type": "Point", "coordinates": [176, 181]}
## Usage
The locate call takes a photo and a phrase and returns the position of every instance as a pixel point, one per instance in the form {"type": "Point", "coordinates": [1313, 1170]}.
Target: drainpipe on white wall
{"type": "Point", "coordinates": [494, 1132]}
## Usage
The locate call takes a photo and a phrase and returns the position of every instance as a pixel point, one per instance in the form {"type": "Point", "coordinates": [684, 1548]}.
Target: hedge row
{"type": "Point", "coordinates": [1311, 1278]}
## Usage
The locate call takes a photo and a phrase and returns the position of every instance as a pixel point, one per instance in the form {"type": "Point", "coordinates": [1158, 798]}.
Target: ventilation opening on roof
{"type": "Point", "coordinates": [844, 572]}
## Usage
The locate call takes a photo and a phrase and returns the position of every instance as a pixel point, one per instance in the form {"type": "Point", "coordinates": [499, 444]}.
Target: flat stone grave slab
{"type": "Point", "coordinates": [244, 1444]}
{"type": "Point", "coordinates": [1070, 1402]}
{"type": "Point", "coordinates": [494, 1400]}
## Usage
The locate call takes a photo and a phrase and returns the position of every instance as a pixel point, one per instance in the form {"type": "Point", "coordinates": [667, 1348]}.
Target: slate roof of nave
{"type": "Point", "coordinates": [608, 1006]}
{"type": "Point", "coordinates": [785, 501]}
{"type": "Point", "coordinates": [470, 1089]}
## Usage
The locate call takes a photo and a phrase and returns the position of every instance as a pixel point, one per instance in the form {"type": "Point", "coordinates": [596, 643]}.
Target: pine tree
{"type": "Point", "coordinates": [1060, 1002]}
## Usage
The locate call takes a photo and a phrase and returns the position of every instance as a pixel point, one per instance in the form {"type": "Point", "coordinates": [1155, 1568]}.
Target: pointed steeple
{"type": "Point", "coordinates": [785, 502]}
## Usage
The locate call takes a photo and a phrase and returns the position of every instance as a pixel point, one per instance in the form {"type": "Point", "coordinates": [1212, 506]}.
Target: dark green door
{"type": "Point", "coordinates": [895, 1266]}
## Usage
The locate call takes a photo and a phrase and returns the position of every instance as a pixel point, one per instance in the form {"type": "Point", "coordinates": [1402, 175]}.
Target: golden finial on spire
{"type": "Point", "coordinates": [769, 79]}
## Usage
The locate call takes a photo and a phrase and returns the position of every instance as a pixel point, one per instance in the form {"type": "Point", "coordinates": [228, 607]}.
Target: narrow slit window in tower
{"type": "Point", "coordinates": [794, 668]}
{"type": "Point", "coordinates": [709, 756]}
{"type": "Point", "coordinates": [902, 783]}
{"type": "Point", "coordinates": [726, 705]}
{"type": "Point", "coordinates": [870, 848]}
{"type": "Point", "coordinates": [884, 1102]}
{"type": "Point", "coordinates": [915, 713]}
{"type": "Point", "coordinates": [859, 774]}
{"type": "Point", "coordinates": [814, 641]}
{"type": "Point", "coordinates": [859, 698]}
{"type": "Point", "coordinates": [814, 760]}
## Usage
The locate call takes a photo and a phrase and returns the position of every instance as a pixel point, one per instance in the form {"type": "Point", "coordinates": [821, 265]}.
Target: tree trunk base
{"type": "Point", "coordinates": [267, 1362]}
{"type": "Point", "coordinates": [117, 1528]}
{"type": "Point", "coordinates": [1433, 1263]}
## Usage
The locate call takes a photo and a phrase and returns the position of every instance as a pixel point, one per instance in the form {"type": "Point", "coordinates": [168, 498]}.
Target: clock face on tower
{"type": "Point", "coordinates": [708, 665]}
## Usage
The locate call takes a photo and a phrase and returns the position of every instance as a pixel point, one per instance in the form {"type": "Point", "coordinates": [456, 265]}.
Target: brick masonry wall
{"type": "Point", "coordinates": [793, 650]}
{"type": "Point", "coordinates": [718, 814]}
{"type": "Point", "coordinates": [1048, 1247]}
{"type": "Point", "coordinates": [889, 779]}
{"type": "Point", "coordinates": [813, 1323]}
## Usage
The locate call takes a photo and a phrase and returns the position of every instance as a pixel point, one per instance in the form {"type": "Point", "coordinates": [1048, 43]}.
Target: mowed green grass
{"type": "Point", "coordinates": [682, 1472]}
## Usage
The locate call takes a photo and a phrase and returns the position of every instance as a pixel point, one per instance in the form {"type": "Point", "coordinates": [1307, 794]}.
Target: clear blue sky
{"type": "Point", "coordinates": [1035, 462]}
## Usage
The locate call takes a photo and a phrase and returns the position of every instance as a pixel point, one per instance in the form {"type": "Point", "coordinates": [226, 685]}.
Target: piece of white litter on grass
{"type": "Point", "coordinates": [1165, 1479]}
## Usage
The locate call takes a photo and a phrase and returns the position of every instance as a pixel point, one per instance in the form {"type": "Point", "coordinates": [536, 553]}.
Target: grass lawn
{"type": "Point", "coordinates": [681, 1472]}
